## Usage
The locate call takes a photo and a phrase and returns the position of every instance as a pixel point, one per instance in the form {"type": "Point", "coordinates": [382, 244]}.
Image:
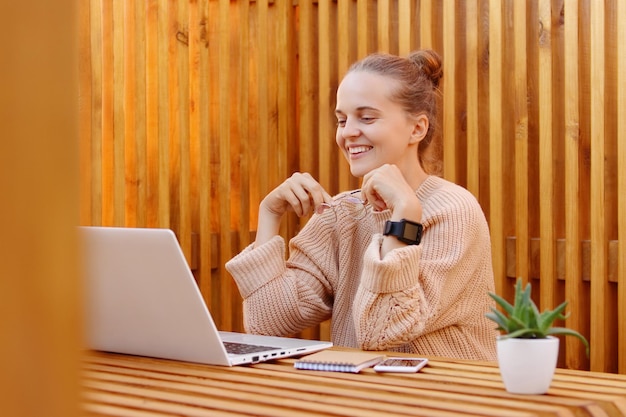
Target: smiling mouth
{"type": "Point", "coordinates": [358, 150]}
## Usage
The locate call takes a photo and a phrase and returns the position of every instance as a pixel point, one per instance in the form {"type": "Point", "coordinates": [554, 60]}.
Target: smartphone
{"type": "Point", "coordinates": [407, 365]}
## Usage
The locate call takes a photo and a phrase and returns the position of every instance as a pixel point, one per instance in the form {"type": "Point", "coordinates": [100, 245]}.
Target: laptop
{"type": "Point", "coordinates": [142, 299]}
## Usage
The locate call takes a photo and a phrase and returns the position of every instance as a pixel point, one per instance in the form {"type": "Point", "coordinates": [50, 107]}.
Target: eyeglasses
{"type": "Point", "coordinates": [348, 203]}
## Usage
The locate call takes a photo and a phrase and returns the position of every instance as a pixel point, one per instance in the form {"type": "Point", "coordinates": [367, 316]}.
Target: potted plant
{"type": "Point", "coordinates": [527, 347]}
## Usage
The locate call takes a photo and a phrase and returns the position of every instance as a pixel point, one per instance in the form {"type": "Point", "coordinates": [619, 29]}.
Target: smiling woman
{"type": "Point", "coordinates": [390, 278]}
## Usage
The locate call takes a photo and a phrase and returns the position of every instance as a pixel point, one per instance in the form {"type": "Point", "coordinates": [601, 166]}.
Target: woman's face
{"type": "Point", "coordinates": [372, 130]}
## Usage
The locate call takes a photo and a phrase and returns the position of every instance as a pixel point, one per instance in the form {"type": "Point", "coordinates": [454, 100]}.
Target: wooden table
{"type": "Point", "coordinates": [120, 385]}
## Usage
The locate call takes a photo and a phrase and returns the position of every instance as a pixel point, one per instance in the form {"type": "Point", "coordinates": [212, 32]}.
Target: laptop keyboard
{"type": "Point", "coordinates": [242, 348]}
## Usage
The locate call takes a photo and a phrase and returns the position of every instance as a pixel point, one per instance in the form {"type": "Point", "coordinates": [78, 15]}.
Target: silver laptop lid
{"type": "Point", "coordinates": [142, 298]}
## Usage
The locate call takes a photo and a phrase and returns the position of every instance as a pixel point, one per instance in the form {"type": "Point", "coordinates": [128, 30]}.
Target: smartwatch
{"type": "Point", "coordinates": [405, 230]}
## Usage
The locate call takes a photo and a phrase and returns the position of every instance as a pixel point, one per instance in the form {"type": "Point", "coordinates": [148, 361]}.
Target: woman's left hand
{"type": "Point", "coordinates": [385, 188]}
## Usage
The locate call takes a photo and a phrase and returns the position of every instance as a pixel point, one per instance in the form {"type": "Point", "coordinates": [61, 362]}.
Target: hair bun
{"type": "Point", "coordinates": [429, 63]}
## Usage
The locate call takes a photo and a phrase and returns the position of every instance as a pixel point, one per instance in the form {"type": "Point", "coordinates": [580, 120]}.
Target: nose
{"type": "Point", "coordinates": [350, 128]}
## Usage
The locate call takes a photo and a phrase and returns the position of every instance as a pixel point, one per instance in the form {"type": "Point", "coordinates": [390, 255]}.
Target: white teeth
{"type": "Point", "coordinates": [359, 149]}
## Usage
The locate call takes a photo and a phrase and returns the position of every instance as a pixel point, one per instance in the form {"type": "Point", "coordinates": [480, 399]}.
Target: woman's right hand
{"type": "Point", "coordinates": [300, 193]}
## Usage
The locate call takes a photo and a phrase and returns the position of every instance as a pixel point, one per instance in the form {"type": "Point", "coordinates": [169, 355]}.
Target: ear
{"type": "Point", "coordinates": [420, 128]}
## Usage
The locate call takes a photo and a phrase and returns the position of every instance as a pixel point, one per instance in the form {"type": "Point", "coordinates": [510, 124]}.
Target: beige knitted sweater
{"type": "Point", "coordinates": [428, 299]}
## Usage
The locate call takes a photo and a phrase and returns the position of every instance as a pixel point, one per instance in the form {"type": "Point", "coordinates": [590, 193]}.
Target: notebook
{"type": "Point", "coordinates": [338, 361]}
{"type": "Point", "coordinates": [142, 299]}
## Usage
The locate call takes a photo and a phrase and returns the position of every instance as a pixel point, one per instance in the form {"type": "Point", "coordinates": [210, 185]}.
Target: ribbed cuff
{"type": "Point", "coordinates": [254, 267]}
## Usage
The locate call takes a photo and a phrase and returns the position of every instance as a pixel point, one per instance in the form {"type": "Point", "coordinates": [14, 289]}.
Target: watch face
{"type": "Point", "coordinates": [411, 231]}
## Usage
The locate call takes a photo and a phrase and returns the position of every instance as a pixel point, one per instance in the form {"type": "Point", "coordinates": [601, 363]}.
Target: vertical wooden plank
{"type": "Point", "coordinates": [119, 116]}
{"type": "Point", "coordinates": [546, 168]}
{"type": "Point", "coordinates": [97, 117]}
{"type": "Point", "coordinates": [205, 180]}
{"type": "Point", "coordinates": [152, 113]}
{"type": "Point", "coordinates": [163, 66]}
{"type": "Point", "coordinates": [363, 29]}
{"type": "Point", "coordinates": [611, 175]}
{"type": "Point", "coordinates": [226, 306]}
{"type": "Point", "coordinates": [131, 195]}
{"type": "Point", "coordinates": [621, 185]}
{"type": "Point", "coordinates": [252, 144]}
{"type": "Point", "coordinates": [307, 94]}
{"type": "Point", "coordinates": [263, 97]}
{"type": "Point", "coordinates": [483, 105]}
{"type": "Point", "coordinates": [276, 175]}
{"type": "Point", "coordinates": [140, 120]}
{"type": "Point", "coordinates": [522, 241]}
{"type": "Point", "coordinates": [449, 91]}
{"type": "Point", "coordinates": [405, 26]}
{"type": "Point", "coordinates": [460, 105]}
{"type": "Point", "coordinates": [574, 351]}
{"type": "Point", "coordinates": [285, 47]}
{"type": "Point", "coordinates": [471, 57]}
{"type": "Point", "coordinates": [329, 156]}
{"type": "Point", "coordinates": [199, 174]}
{"type": "Point", "coordinates": [426, 24]}
{"type": "Point", "coordinates": [496, 187]}
{"type": "Point", "coordinates": [40, 289]}
{"type": "Point", "coordinates": [328, 153]}
{"type": "Point", "coordinates": [307, 105]}
{"type": "Point", "coordinates": [383, 25]}
{"type": "Point", "coordinates": [173, 116]}
{"type": "Point", "coordinates": [214, 198]}
{"type": "Point", "coordinates": [326, 141]}
{"type": "Point", "coordinates": [599, 285]}
{"type": "Point", "coordinates": [184, 180]}
{"type": "Point", "coordinates": [85, 111]}
{"type": "Point", "coordinates": [430, 18]}
{"type": "Point", "coordinates": [344, 58]}
{"type": "Point", "coordinates": [108, 137]}
{"type": "Point", "coordinates": [243, 220]}
{"type": "Point", "coordinates": [286, 163]}
{"type": "Point", "coordinates": [195, 109]}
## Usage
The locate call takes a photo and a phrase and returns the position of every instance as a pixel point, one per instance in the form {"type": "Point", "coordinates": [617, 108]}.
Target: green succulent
{"type": "Point", "coordinates": [523, 320]}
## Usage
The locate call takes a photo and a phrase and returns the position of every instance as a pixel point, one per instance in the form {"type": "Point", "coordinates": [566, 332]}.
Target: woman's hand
{"type": "Point", "coordinates": [300, 193]}
{"type": "Point", "coordinates": [385, 188]}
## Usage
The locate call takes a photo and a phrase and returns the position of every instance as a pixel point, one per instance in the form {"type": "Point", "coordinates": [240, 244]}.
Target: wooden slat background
{"type": "Point", "coordinates": [192, 111]}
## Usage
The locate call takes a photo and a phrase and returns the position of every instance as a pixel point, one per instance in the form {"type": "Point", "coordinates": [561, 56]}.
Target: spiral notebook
{"type": "Point", "coordinates": [338, 361]}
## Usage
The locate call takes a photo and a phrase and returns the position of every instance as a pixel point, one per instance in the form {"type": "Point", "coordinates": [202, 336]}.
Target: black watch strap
{"type": "Point", "coordinates": [405, 230]}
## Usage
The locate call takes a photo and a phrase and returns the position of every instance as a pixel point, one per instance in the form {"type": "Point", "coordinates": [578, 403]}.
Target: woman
{"type": "Point", "coordinates": [404, 264]}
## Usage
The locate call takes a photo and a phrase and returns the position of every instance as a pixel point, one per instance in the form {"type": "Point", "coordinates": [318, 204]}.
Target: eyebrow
{"type": "Point", "coordinates": [362, 108]}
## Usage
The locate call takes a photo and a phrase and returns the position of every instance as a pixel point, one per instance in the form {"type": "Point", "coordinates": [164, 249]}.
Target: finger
{"type": "Point", "coordinates": [304, 199]}
{"type": "Point", "coordinates": [294, 202]}
{"type": "Point", "coordinates": [373, 197]}
{"type": "Point", "coordinates": [315, 193]}
{"type": "Point", "coordinates": [320, 200]}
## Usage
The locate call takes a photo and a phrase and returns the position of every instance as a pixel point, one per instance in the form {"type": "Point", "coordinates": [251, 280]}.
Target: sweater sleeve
{"type": "Point", "coordinates": [417, 290]}
{"type": "Point", "coordinates": [280, 298]}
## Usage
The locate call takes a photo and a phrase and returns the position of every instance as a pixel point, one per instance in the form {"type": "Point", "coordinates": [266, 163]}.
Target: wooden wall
{"type": "Point", "coordinates": [192, 111]}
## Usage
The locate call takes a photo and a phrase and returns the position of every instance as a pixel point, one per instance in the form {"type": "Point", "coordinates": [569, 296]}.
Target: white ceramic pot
{"type": "Point", "coordinates": [527, 365]}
